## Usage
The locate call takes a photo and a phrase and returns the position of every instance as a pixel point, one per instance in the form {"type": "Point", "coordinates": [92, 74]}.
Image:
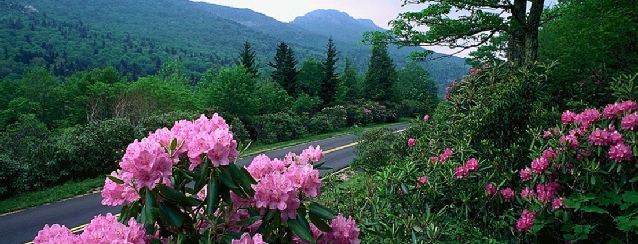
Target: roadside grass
{"type": "Point", "coordinates": [73, 189]}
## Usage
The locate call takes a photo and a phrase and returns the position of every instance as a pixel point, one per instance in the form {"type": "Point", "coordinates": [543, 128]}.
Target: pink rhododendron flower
{"type": "Point", "coordinates": [569, 140]}
{"type": "Point", "coordinates": [313, 154]}
{"type": "Point", "coordinates": [461, 172]}
{"type": "Point", "coordinates": [434, 159]}
{"type": "Point", "coordinates": [446, 97]}
{"type": "Point", "coordinates": [475, 71]}
{"type": "Point", "coordinates": [421, 181]}
{"type": "Point", "coordinates": [618, 108]}
{"type": "Point", "coordinates": [526, 174]}
{"type": "Point", "coordinates": [247, 239]}
{"type": "Point", "coordinates": [526, 221]}
{"type": "Point", "coordinates": [558, 203]}
{"type": "Point", "coordinates": [426, 117]}
{"type": "Point", "coordinates": [472, 164]}
{"type": "Point", "coordinates": [507, 194]}
{"type": "Point", "coordinates": [545, 192]}
{"type": "Point", "coordinates": [344, 231]}
{"type": "Point", "coordinates": [620, 152]}
{"type": "Point", "coordinates": [629, 122]}
{"type": "Point", "coordinates": [55, 234]}
{"type": "Point", "coordinates": [539, 165]}
{"type": "Point", "coordinates": [491, 189]}
{"type": "Point", "coordinates": [549, 154]}
{"type": "Point", "coordinates": [586, 117]}
{"type": "Point", "coordinates": [547, 134]}
{"type": "Point", "coordinates": [447, 153]}
{"type": "Point", "coordinates": [114, 194]}
{"type": "Point", "coordinates": [411, 142]}
{"type": "Point", "coordinates": [568, 117]}
{"type": "Point", "coordinates": [528, 193]}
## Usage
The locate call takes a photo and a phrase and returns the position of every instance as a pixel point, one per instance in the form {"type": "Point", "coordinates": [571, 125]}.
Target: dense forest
{"type": "Point", "coordinates": [73, 96]}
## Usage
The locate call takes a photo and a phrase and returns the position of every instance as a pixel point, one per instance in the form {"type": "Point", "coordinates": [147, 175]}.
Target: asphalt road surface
{"type": "Point", "coordinates": [23, 226]}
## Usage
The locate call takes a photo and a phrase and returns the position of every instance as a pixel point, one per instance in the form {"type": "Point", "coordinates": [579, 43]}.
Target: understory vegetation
{"type": "Point", "coordinates": [538, 153]}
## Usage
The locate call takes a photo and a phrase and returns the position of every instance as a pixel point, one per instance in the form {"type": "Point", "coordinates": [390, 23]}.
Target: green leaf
{"type": "Point", "coordinates": [171, 214]}
{"type": "Point", "coordinates": [405, 189]}
{"type": "Point", "coordinates": [242, 179]}
{"type": "Point", "coordinates": [321, 211]}
{"type": "Point", "coordinates": [226, 178]}
{"type": "Point", "coordinates": [201, 180]}
{"type": "Point", "coordinates": [115, 179]}
{"type": "Point", "coordinates": [593, 209]}
{"type": "Point", "coordinates": [248, 175]}
{"type": "Point", "coordinates": [173, 144]}
{"type": "Point", "coordinates": [319, 223]}
{"type": "Point", "coordinates": [248, 221]}
{"type": "Point", "coordinates": [149, 206]}
{"type": "Point", "coordinates": [212, 196]}
{"type": "Point", "coordinates": [176, 196]}
{"type": "Point", "coordinates": [301, 231]}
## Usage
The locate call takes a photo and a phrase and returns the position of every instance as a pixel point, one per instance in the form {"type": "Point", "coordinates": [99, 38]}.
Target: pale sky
{"type": "Point", "coordinates": [379, 11]}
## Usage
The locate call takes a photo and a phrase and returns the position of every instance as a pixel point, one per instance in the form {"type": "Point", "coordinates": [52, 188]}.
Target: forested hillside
{"type": "Point", "coordinates": [136, 37]}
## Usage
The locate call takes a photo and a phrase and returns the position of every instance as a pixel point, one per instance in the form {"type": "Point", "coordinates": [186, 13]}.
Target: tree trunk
{"type": "Point", "coordinates": [531, 36]}
{"type": "Point", "coordinates": [516, 44]}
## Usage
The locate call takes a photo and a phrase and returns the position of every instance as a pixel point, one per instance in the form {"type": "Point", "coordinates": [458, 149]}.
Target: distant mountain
{"type": "Point", "coordinates": [137, 36]}
{"type": "Point", "coordinates": [345, 28]}
{"type": "Point", "coordinates": [339, 25]}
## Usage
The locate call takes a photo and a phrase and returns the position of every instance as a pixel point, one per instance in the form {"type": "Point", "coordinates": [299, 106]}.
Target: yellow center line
{"type": "Point", "coordinates": [78, 229]}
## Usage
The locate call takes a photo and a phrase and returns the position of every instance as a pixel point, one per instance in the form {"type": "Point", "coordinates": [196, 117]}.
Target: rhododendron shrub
{"type": "Point", "coordinates": [181, 185]}
{"type": "Point", "coordinates": [582, 183]}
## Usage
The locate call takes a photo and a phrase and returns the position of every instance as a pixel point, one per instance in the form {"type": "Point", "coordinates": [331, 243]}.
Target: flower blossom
{"type": "Point", "coordinates": [539, 165]}
{"type": "Point", "coordinates": [528, 193]}
{"type": "Point", "coordinates": [426, 117]}
{"type": "Point", "coordinates": [620, 152]}
{"type": "Point", "coordinates": [558, 203]}
{"type": "Point", "coordinates": [472, 164]}
{"type": "Point", "coordinates": [247, 239]}
{"type": "Point", "coordinates": [568, 117]}
{"type": "Point", "coordinates": [629, 122]}
{"type": "Point", "coordinates": [411, 142]}
{"type": "Point", "coordinates": [507, 194]}
{"type": "Point", "coordinates": [526, 221]}
{"type": "Point", "coordinates": [526, 174]}
{"type": "Point", "coordinates": [421, 181]}
{"type": "Point", "coordinates": [491, 189]}
{"type": "Point", "coordinates": [461, 172]}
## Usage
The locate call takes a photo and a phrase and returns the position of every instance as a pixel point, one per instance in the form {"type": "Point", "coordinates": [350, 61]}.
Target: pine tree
{"type": "Point", "coordinates": [381, 75]}
{"type": "Point", "coordinates": [285, 71]}
{"type": "Point", "coordinates": [329, 83]}
{"type": "Point", "coordinates": [349, 80]}
{"type": "Point", "coordinates": [247, 59]}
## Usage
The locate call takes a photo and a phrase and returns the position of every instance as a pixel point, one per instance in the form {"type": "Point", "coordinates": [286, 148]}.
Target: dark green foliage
{"type": "Point", "coordinates": [350, 80]}
{"type": "Point", "coordinates": [271, 128]}
{"type": "Point", "coordinates": [239, 132]}
{"type": "Point", "coordinates": [328, 120]}
{"type": "Point", "coordinates": [381, 76]}
{"type": "Point", "coordinates": [247, 59]}
{"type": "Point", "coordinates": [416, 91]}
{"type": "Point", "coordinates": [309, 79]}
{"type": "Point", "coordinates": [329, 83]}
{"type": "Point", "coordinates": [94, 149]}
{"type": "Point", "coordinates": [373, 152]}
{"type": "Point", "coordinates": [9, 171]}
{"type": "Point", "coordinates": [269, 98]}
{"type": "Point", "coordinates": [285, 72]}
{"type": "Point", "coordinates": [306, 104]}
{"type": "Point", "coordinates": [230, 91]}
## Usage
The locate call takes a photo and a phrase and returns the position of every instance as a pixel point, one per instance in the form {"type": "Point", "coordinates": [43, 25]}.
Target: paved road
{"type": "Point", "coordinates": [23, 226]}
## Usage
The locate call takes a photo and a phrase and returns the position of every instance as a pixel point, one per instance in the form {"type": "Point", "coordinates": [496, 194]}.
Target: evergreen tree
{"type": "Point", "coordinates": [285, 71]}
{"type": "Point", "coordinates": [247, 59]}
{"type": "Point", "coordinates": [381, 75]}
{"type": "Point", "coordinates": [349, 80]}
{"type": "Point", "coordinates": [329, 83]}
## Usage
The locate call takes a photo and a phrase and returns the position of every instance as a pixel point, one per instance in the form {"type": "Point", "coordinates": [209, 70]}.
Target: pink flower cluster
{"type": "Point", "coordinates": [539, 165]}
{"type": "Point", "coordinates": [344, 231]}
{"type": "Point", "coordinates": [247, 239]}
{"type": "Point", "coordinates": [463, 171]}
{"type": "Point", "coordinates": [526, 221]}
{"type": "Point", "coordinates": [606, 137]}
{"type": "Point", "coordinates": [447, 153]}
{"type": "Point", "coordinates": [426, 117]}
{"type": "Point", "coordinates": [475, 71]}
{"type": "Point", "coordinates": [584, 119]}
{"type": "Point", "coordinates": [421, 181]}
{"type": "Point", "coordinates": [619, 108]}
{"type": "Point", "coordinates": [280, 182]}
{"type": "Point", "coordinates": [149, 162]}
{"type": "Point", "coordinates": [411, 142]}
{"type": "Point", "coordinates": [508, 194]}
{"type": "Point", "coordinates": [102, 229]}
{"type": "Point", "coordinates": [491, 189]}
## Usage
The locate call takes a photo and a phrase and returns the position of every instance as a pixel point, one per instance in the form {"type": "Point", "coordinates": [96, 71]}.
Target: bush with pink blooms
{"type": "Point", "coordinates": [181, 185]}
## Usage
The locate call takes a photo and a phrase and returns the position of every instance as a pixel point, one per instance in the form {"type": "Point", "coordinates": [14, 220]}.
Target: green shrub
{"type": "Point", "coordinates": [272, 128]}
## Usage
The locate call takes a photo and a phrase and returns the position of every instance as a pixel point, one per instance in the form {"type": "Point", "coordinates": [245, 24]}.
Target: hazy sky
{"type": "Point", "coordinates": [379, 11]}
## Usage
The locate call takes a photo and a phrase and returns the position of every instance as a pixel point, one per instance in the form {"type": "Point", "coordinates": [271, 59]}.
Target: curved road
{"type": "Point", "coordinates": [23, 226]}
